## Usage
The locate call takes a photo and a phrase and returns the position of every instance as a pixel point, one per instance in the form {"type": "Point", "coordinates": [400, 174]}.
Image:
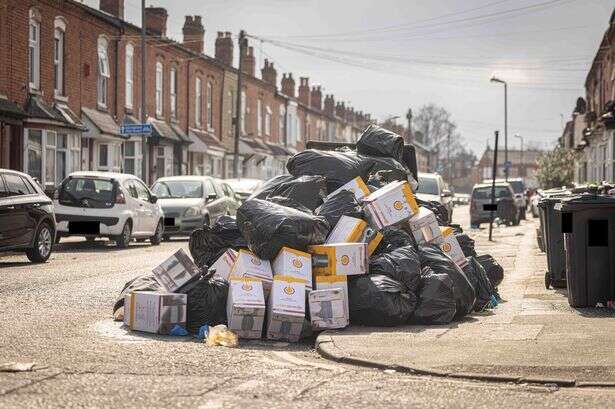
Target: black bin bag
{"type": "Point", "coordinates": [401, 264]}
{"type": "Point", "coordinates": [343, 203]}
{"type": "Point", "coordinates": [267, 227]}
{"type": "Point", "coordinates": [380, 301]}
{"type": "Point", "coordinates": [392, 238]}
{"type": "Point", "coordinates": [206, 302]}
{"type": "Point", "coordinates": [309, 191]}
{"type": "Point", "coordinates": [494, 270]}
{"type": "Point", "coordinates": [209, 243]}
{"type": "Point", "coordinates": [369, 165]}
{"type": "Point", "coordinates": [377, 141]}
{"type": "Point", "coordinates": [436, 303]}
{"type": "Point", "coordinates": [338, 168]}
{"type": "Point", "coordinates": [146, 282]}
{"type": "Point", "coordinates": [431, 256]}
{"type": "Point", "coordinates": [467, 244]}
{"type": "Point", "coordinates": [479, 280]}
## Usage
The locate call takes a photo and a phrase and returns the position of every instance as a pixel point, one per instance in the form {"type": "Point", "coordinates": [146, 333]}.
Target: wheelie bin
{"type": "Point", "coordinates": [553, 241]}
{"type": "Point", "coordinates": [588, 227]}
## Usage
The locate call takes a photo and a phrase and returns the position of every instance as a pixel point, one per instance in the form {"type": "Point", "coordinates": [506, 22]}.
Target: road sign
{"type": "Point", "coordinates": [136, 129]}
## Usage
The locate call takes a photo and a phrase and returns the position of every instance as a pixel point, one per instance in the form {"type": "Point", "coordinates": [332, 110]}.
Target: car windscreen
{"type": "Point", "coordinates": [482, 193]}
{"type": "Point", "coordinates": [428, 186]}
{"type": "Point", "coordinates": [517, 186]}
{"type": "Point", "coordinates": [87, 192]}
{"type": "Point", "coordinates": [178, 189]}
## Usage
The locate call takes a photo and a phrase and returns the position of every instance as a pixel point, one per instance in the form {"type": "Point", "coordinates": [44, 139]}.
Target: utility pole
{"type": "Point", "coordinates": [238, 113]}
{"type": "Point", "coordinates": [493, 206]}
{"type": "Point", "coordinates": [144, 153]}
{"type": "Point", "coordinates": [506, 168]}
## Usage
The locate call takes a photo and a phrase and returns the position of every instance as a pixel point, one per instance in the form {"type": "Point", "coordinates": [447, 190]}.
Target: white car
{"type": "Point", "coordinates": [103, 204]}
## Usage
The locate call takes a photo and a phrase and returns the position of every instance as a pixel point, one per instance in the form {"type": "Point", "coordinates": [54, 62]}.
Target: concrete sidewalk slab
{"type": "Point", "coordinates": [533, 337]}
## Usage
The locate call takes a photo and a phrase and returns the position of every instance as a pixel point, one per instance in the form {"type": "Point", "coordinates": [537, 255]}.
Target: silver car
{"type": "Point", "coordinates": [189, 202]}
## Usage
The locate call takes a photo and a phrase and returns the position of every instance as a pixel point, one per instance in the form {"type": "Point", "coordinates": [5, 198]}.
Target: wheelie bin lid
{"type": "Point", "coordinates": [554, 198]}
{"type": "Point", "coordinates": [585, 202]}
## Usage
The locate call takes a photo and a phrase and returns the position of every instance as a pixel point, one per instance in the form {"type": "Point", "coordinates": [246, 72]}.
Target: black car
{"type": "Point", "coordinates": [27, 222]}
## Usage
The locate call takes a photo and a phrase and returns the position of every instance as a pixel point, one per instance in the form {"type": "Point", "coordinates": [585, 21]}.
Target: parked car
{"type": "Point", "coordinates": [27, 222]}
{"type": "Point", "coordinates": [519, 189]}
{"type": "Point", "coordinates": [460, 199]}
{"type": "Point", "coordinates": [432, 188]}
{"type": "Point", "coordinates": [104, 204]}
{"type": "Point", "coordinates": [507, 209]}
{"type": "Point", "coordinates": [244, 187]}
{"type": "Point", "coordinates": [233, 200]}
{"type": "Point", "coordinates": [189, 202]}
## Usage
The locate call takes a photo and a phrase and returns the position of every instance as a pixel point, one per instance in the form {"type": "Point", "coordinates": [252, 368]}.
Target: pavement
{"type": "Point", "coordinates": [534, 337]}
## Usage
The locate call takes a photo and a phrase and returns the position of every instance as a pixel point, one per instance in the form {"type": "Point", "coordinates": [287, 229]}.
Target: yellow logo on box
{"type": "Point", "coordinates": [246, 287]}
{"type": "Point", "coordinates": [345, 260]}
{"type": "Point", "coordinates": [289, 290]}
{"type": "Point", "coordinates": [256, 261]}
{"type": "Point", "coordinates": [446, 247]}
{"type": "Point", "coordinates": [297, 263]}
{"type": "Point", "coordinates": [398, 205]}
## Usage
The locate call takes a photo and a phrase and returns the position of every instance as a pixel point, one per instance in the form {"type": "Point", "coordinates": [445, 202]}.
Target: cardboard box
{"type": "Point", "coordinates": [328, 309]}
{"type": "Point", "coordinates": [245, 307]}
{"type": "Point", "coordinates": [294, 263]}
{"type": "Point", "coordinates": [356, 186]}
{"type": "Point", "coordinates": [450, 246]}
{"type": "Point", "coordinates": [330, 282]}
{"type": "Point", "coordinates": [249, 265]}
{"type": "Point", "coordinates": [424, 226]}
{"type": "Point", "coordinates": [352, 230]}
{"type": "Point", "coordinates": [224, 264]}
{"type": "Point", "coordinates": [339, 259]}
{"type": "Point", "coordinates": [286, 308]}
{"type": "Point", "coordinates": [176, 271]}
{"type": "Point", "coordinates": [154, 312]}
{"type": "Point", "coordinates": [390, 204]}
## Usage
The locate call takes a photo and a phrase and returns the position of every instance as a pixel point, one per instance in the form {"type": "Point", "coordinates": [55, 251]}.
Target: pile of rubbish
{"type": "Point", "coordinates": [342, 239]}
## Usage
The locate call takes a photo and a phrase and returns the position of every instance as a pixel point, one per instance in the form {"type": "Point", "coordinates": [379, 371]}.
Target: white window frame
{"type": "Point", "coordinates": [198, 103]}
{"type": "Point", "coordinates": [34, 50]}
{"type": "Point", "coordinates": [74, 147]}
{"type": "Point", "coordinates": [103, 72]}
{"type": "Point", "coordinates": [137, 157]}
{"type": "Point", "coordinates": [159, 88]}
{"type": "Point", "coordinates": [210, 106]}
{"type": "Point", "coordinates": [173, 91]}
{"type": "Point", "coordinates": [259, 116]}
{"type": "Point", "coordinates": [59, 55]}
{"type": "Point", "coordinates": [268, 115]}
{"type": "Point", "coordinates": [130, 72]}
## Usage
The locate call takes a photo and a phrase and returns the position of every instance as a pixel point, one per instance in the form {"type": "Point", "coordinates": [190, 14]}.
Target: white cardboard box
{"type": "Point", "coordinates": [390, 204]}
{"type": "Point", "coordinates": [450, 246]}
{"type": "Point", "coordinates": [245, 307]}
{"type": "Point", "coordinates": [294, 263]}
{"type": "Point", "coordinates": [352, 230]}
{"type": "Point", "coordinates": [356, 186]}
{"type": "Point", "coordinates": [424, 226]}
{"type": "Point", "coordinates": [249, 265]}
{"type": "Point", "coordinates": [176, 271]}
{"type": "Point", "coordinates": [328, 309]}
{"type": "Point", "coordinates": [328, 282]}
{"type": "Point", "coordinates": [341, 259]}
{"type": "Point", "coordinates": [224, 264]}
{"type": "Point", "coordinates": [154, 312]}
{"type": "Point", "coordinates": [286, 309]}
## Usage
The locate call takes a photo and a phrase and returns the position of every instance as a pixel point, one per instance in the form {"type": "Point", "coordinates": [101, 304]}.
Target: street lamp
{"type": "Point", "coordinates": [522, 166]}
{"type": "Point", "coordinates": [495, 79]}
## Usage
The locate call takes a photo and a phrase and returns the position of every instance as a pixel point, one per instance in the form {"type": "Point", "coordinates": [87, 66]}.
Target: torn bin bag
{"type": "Point", "coordinates": [309, 191]}
{"type": "Point", "coordinates": [401, 264]}
{"type": "Point", "coordinates": [431, 256]}
{"type": "Point", "coordinates": [436, 303]}
{"type": "Point", "coordinates": [267, 227]}
{"type": "Point", "coordinates": [209, 243]}
{"type": "Point", "coordinates": [342, 203]}
{"type": "Point", "coordinates": [378, 300]}
{"type": "Point", "coordinates": [338, 168]}
{"type": "Point", "coordinates": [377, 141]}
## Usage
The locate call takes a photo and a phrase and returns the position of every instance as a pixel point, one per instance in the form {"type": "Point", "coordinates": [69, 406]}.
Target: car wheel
{"type": "Point", "coordinates": [123, 240]}
{"type": "Point", "coordinates": [157, 237]}
{"type": "Point", "coordinates": [42, 245]}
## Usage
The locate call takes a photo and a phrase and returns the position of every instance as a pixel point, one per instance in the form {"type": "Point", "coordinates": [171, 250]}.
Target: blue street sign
{"type": "Point", "coordinates": [136, 129]}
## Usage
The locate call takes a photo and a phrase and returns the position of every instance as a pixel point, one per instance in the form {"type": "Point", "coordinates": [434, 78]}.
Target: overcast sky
{"type": "Point", "coordinates": [406, 53]}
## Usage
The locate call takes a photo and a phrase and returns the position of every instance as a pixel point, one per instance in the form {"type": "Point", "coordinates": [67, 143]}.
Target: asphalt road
{"type": "Point", "coordinates": [58, 315]}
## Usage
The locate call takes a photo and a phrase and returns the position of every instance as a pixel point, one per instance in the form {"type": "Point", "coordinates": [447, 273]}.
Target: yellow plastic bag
{"type": "Point", "coordinates": [221, 335]}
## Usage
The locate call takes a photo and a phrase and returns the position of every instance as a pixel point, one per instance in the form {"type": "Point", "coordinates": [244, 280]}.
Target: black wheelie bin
{"type": "Point", "coordinates": [551, 227]}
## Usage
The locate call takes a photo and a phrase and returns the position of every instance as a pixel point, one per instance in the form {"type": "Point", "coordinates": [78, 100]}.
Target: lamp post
{"type": "Point", "coordinates": [495, 79]}
{"type": "Point", "coordinates": [521, 165]}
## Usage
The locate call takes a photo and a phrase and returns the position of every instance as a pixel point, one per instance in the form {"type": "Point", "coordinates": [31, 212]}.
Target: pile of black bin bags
{"type": "Point", "coordinates": [406, 284]}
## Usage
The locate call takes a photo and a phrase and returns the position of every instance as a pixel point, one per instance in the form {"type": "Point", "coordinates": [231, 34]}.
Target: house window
{"type": "Point", "coordinates": [75, 153]}
{"type": "Point", "coordinates": [132, 158]}
{"type": "Point", "coordinates": [50, 158]}
{"type": "Point", "coordinates": [164, 161]}
{"type": "Point", "coordinates": [259, 116]}
{"type": "Point", "coordinates": [130, 52]}
{"type": "Point", "coordinates": [244, 109]}
{"type": "Point", "coordinates": [35, 153]}
{"type": "Point", "coordinates": [58, 57]}
{"type": "Point", "coordinates": [603, 163]}
{"type": "Point", "coordinates": [103, 72]}
{"type": "Point", "coordinates": [210, 104]}
{"type": "Point", "coordinates": [198, 104]}
{"type": "Point", "coordinates": [103, 156]}
{"type": "Point", "coordinates": [34, 50]}
{"type": "Point", "coordinates": [281, 121]}
{"type": "Point", "coordinates": [173, 86]}
{"type": "Point", "coordinates": [159, 88]}
{"type": "Point", "coordinates": [268, 120]}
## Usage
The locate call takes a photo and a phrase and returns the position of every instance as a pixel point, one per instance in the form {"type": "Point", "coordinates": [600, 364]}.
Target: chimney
{"type": "Point", "coordinates": [304, 90]}
{"type": "Point", "coordinates": [269, 74]}
{"type": "Point", "coordinates": [288, 85]}
{"type": "Point", "coordinates": [113, 7]}
{"type": "Point", "coordinates": [329, 105]}
{"type": "Point", "coordinates": [340, 110]}
{"type": "Point", "coordinates": [156, 20]}
{"type": "Point", "coordinates": [224, 48]}
{"type": "Point", "coordinates": [249, 62]}
{"type": "Point", "coordinates": [194, 34]}
{"type": "Point", "coordinates": [316, 98]}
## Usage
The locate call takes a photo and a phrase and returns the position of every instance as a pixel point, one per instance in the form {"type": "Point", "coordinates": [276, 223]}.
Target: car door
{"type": "Point", "coordinates": [149, 210]}
{"type": "Point", "coordinates": [17, 227]}
{"type": "Point", "coordinates": [133, 203]}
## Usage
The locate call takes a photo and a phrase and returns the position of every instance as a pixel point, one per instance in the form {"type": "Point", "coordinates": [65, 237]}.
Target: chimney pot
{"type": "Point", "coordinates": [269, 74]}
{"type": "Point", "coordinates": [194, 34]}
{"type": "Point", "coordinates": [224, 48]}
{"type": "Point", "coordinates": [288, 85]}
